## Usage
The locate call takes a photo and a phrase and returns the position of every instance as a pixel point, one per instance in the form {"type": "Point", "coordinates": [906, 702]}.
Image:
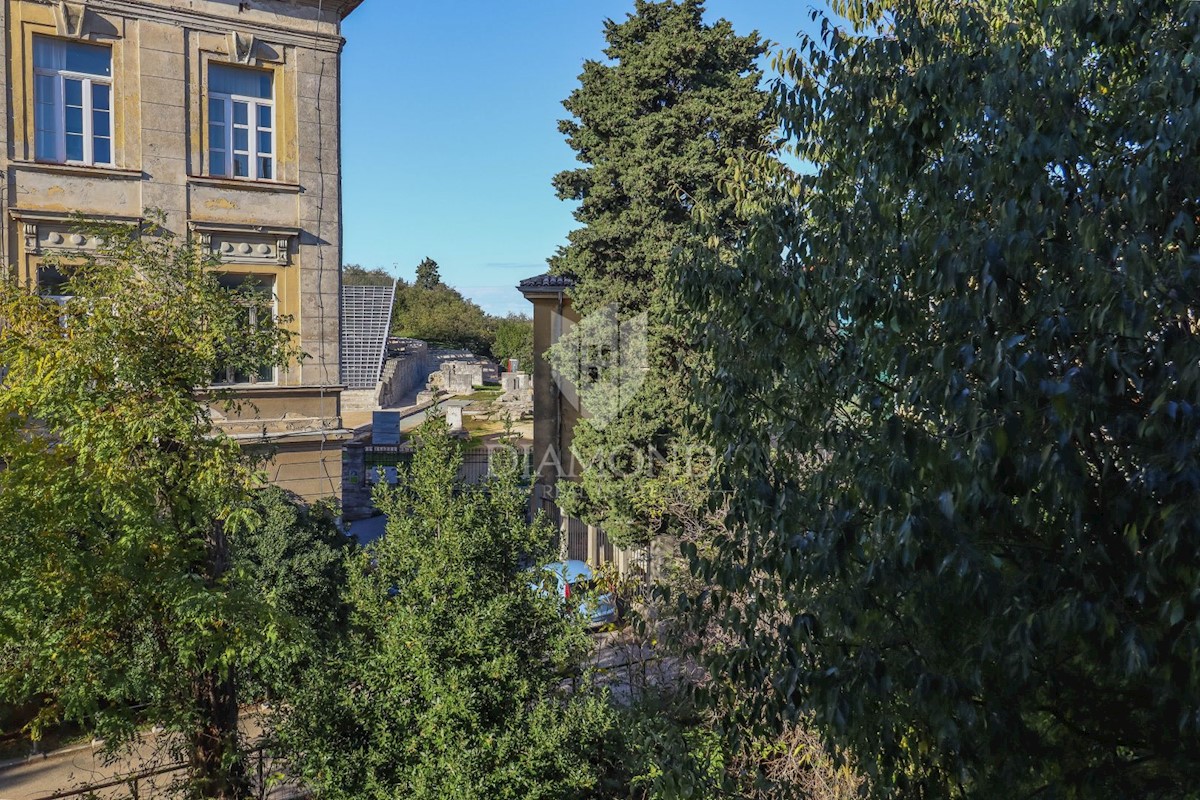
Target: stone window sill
{"type": "Point", "coordinates": [244, 184]}
{"type": "Point", "coordinates": [78, 169]}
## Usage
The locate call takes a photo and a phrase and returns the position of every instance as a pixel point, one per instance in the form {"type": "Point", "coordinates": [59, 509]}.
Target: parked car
{"type": "Point", "coordinates": [574, 580]}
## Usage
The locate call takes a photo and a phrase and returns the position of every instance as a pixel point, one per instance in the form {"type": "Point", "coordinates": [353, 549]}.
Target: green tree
{"type": "Point", "coordinates": [449, 684]}
{"type": "Point", "coordinates": [293, 554]}
{"type": "Point", "coordinates": [514, 339]}
{"type": "Point", "coordinates": [428, 276]}
{"type": "Point", "coordinates": [118, 504]}
{"type": "Point", "coordinates": [655, 126]}
{"type": "Point", "coordinates": [441, 316]}
{"type": "Point", "coordinates": [955, 373]}
{"type": "Point", "coordinates": [355, 275]}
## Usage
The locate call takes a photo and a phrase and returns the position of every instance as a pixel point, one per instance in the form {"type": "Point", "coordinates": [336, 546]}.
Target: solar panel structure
{"type": "Point", "coordinates": [366, 319]}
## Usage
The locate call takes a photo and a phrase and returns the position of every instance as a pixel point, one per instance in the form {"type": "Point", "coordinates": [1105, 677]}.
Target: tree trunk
{"type": "Point", "coordinates": [218, 768]}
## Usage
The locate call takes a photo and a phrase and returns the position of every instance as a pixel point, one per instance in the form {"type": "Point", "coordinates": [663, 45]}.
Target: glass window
{"type": "Point", "coordinates": [241, 134]}
{"type": "Point", "coordinates": [72, 95]}
{"type": "Point", "coordinates": [256, 296]}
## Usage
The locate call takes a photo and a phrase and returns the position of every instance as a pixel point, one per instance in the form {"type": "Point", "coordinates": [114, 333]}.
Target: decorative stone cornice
{"type": "Point", "coordinates": [47, 231]}
{"type": "Point", "coordinates": [246, 244]}
{"type": "Point", "coordinates": [220, 24]}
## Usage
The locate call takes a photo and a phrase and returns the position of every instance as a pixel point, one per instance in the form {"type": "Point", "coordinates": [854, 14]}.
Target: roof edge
{"type": "Point", "coordinates": [545, 284]}
{"type": "Point", "coordinates": [348, 6]}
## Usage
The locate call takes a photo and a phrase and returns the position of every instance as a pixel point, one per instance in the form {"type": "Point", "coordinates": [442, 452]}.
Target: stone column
{"type": "Point", "coordinates": [593, 545]}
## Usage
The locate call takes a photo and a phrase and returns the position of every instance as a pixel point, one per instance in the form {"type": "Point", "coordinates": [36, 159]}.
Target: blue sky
{"type": "Point", "coordinates": [450, 137]}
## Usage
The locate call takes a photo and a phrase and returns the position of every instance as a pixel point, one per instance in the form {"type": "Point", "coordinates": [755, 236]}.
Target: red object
{"type": "Point", "coordinates": [566, 591]}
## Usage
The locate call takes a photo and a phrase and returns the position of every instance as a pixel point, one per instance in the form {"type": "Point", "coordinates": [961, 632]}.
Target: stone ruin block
{"type": "Point", "coordinates": [460, 384]}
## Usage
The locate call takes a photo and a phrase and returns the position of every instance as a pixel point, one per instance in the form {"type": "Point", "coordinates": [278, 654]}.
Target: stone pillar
{"type": "Point", "coordinates": [564, 536]}
{"type": "Point", "coordinates": [593, 545]}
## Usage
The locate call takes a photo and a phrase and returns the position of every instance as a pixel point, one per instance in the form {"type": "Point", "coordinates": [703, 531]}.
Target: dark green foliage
{"type": "Point", "coordinates": [957, 379]}
{"type": "Point", "coordinates": [428, 276]}
{"type": "Point", "coordinates": [655, 126]}
{"type": "Point", "coordinates": [514, 339]}
{"type": "Point", "coordinates": [441, 316]}
{"type": "Point", "coordinates": [294, 557]}
{"type": "Point", "coordinates": [448, 686]}
{"type": "Point", "coordinates": [354, 275]}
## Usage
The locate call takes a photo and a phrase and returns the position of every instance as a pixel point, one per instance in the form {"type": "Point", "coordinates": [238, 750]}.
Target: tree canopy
{"type": "Point", "coordinates": [449, 683]}
{"type": "Point", "coordinates": [428, 276]}
{"type": "Point", "coordinates": [117, 503]}
{"type": "Point", "coordinates": [514, 339]}
{"type": "Point", "coordinates": [355, 275]}
{"type": "Point", "coordinates": [955, 372]}
{"type": "Point", "coordinates": [655, 126]}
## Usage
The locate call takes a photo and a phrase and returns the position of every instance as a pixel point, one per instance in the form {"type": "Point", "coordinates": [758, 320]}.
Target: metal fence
{"type": "Point", "coordinates": [382, 463]}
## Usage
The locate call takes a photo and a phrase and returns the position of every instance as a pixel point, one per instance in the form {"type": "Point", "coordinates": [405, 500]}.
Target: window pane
{"type": "Point", "coordinates": [48, 53]}
{"type": "Point", "coordinates": [74, 147]}
{"type": "Point", "coordinates": [264, 143]}
{"type": "Point", "coordinates": [89, 59]}
{"type": "Point", "coordinates": [43, 89]}
{"type": "Point", "coordinates": [241, 116]}
{"type": "Point", "coordinates": [57, 55]}
{"type": "Point", "coordinates": [216, 163]}
{"type": "Point", "coordinates": [241, 166]}
{"type": "Point", "coordinates": [47, 145]}
{"type": "Point", "coordinates": [216, 110]}
{"type": "Point", "coordinates": [266, 169]}
{"type": "Point", "coordinates": [103, 148]}
{"type": "Point", "coordinates": [224, 79]}
{"type": "Point", "coordinates": [100, 123]}
{"type": "Point", "coordinates": [74, 92]}
{"type": "Point", "coordinates": [74, 120]}
{"type": "Point", "coordinates": [101, 93]}
{"type": "Point", "coordinates": [241, 139]}
{"type": "Point", "coordinates": [45, 118]}
{"type": "Point", "coordinates": [264, 117]}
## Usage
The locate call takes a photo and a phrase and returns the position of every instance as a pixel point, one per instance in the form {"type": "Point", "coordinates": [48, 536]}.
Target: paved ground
{"type": "Point", "coordinates": [75, 768]}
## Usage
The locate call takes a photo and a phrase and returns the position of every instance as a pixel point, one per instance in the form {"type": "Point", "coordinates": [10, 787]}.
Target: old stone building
{"type": "Point", "coordinates": [555, 415]}
{"type": "Point", "coordinates": [225, 115]}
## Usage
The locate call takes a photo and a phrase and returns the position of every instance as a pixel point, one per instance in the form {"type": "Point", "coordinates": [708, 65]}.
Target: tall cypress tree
{"type": "Point", "coordinates": [655, 127]}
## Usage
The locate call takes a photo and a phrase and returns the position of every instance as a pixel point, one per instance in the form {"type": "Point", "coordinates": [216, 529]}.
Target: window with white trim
{"type": "Point", "coordinates": [72, 96]}
{"type": "Point", "coordinates": [241, 123]}
{"type": "Point", "coordinates": [258, 310]}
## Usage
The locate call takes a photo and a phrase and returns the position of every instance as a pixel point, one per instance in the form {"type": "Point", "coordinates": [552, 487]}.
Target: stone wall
{"type": "Point", "coordinates": [356, 491]}
{"type": "Point", "coordinates": [405, 374]}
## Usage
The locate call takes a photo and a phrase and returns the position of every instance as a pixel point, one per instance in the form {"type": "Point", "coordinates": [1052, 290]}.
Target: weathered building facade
{"type": "Point", "coordinates": [554, 416]}
{"type": "Point", "coordinates": [223, 115]}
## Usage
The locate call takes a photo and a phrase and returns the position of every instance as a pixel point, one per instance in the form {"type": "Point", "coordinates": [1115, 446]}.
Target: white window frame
{"type": "Point", "coordinates": [252, 132]}
{"type": "Point", "coordinates": [61, 76]}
